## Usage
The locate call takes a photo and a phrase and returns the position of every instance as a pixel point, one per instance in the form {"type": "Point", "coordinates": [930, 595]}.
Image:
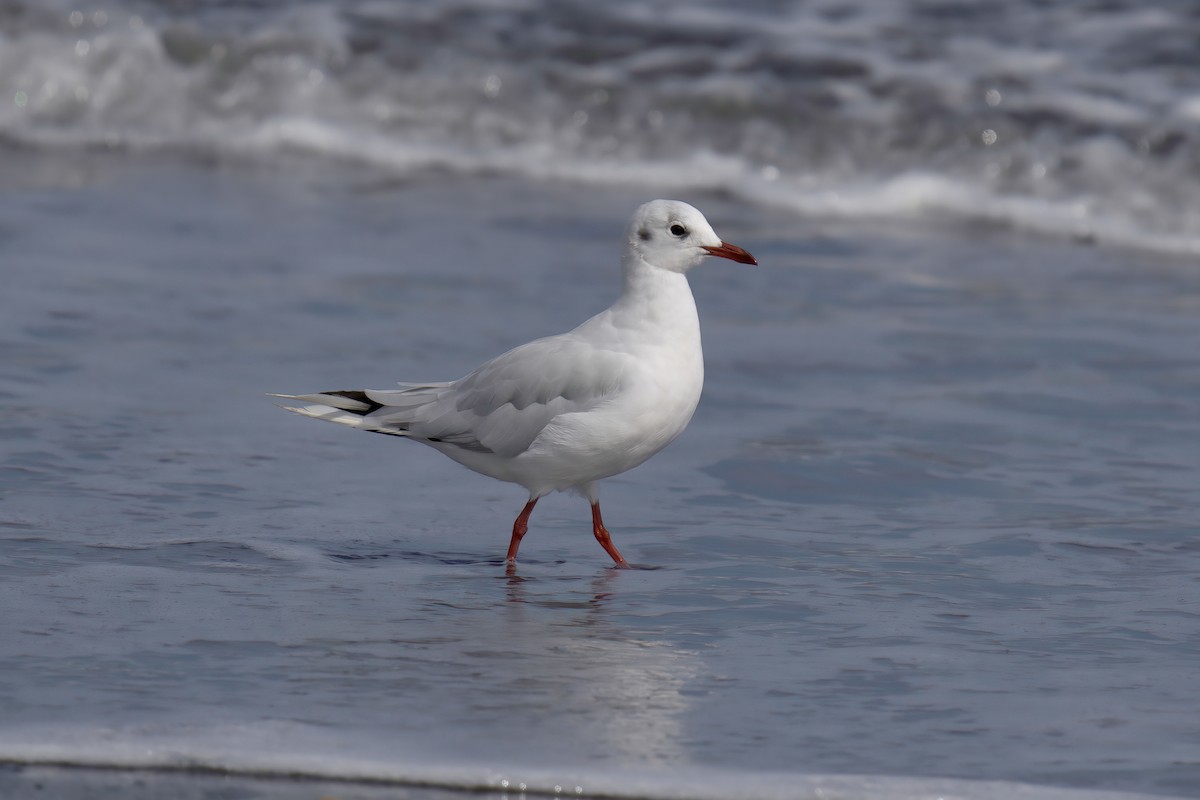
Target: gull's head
{"type": "Point", "coordinates": [674, 236]}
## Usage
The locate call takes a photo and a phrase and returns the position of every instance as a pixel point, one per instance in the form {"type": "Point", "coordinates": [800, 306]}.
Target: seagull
{"type": "Point", "coordinates": [564, 412]}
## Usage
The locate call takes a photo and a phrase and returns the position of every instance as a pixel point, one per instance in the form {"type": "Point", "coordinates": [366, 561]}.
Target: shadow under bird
{"type": "Point", "coordinates": [564, 412]}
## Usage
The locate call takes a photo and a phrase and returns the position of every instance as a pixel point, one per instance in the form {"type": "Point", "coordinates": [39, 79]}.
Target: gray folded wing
{"type": "Point", "coordinates": [502, 406]}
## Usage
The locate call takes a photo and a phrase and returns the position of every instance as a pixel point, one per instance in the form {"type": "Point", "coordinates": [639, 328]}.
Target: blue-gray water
{"type": "Point", "coordinates": [935, 517]}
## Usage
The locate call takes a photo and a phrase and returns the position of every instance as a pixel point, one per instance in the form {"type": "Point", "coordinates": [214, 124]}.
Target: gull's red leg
{"type": "Point", "coordinates": [603, 538]}
{"type": "Point", "coordinates": [519, 527]}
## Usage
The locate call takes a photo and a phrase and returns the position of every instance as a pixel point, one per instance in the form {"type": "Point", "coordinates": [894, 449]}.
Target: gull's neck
{"type": "Point", "coordinates": [657, 298]}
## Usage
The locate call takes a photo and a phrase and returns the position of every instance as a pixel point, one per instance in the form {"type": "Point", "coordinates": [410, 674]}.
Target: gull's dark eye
{"type": "Point", "coordinates": [678, 230]}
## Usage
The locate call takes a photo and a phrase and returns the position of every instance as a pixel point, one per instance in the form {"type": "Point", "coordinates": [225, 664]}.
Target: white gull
{"type": "Point", "coordinates": [564, 412]}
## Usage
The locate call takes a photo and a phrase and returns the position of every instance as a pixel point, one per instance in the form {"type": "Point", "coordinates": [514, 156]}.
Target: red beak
{"type": "Point", "coordinates": [732, 252]}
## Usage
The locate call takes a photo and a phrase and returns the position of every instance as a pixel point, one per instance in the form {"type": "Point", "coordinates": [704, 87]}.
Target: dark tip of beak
{"type": "Point", "coordinates": [732, 252]}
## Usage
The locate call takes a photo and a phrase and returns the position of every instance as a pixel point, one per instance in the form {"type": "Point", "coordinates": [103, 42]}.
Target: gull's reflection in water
{"type": "Point", "coordinates": [581, 673]}
{"type": "Point", "coordinates": [519, 587]}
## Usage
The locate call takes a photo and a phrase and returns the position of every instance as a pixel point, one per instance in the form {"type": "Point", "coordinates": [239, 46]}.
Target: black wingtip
{"type": "Point", "coordinates": [358, 396]}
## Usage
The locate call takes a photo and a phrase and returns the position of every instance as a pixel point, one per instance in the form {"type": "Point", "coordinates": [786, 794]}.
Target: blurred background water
{"type": "Point", "coordinates": [935, 518]}
{"type": "Point", "coordinates": [1069, 119]}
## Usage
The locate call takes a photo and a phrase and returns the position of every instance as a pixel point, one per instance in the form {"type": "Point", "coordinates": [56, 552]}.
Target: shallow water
{"type": "Point", "coordinates": [934, 517]}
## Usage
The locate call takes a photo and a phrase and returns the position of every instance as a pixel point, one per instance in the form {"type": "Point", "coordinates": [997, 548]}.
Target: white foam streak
{"type": "Point", "coordinates": [919, 195]}
{"type": "Point", "coordinates": [287, 750]}
{"type": "Point", "coordinates": [911, 195]}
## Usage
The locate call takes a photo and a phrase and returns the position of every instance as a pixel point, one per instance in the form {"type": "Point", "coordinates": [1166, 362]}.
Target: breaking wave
{"type": "Point", "coordinates": [1089, 129]}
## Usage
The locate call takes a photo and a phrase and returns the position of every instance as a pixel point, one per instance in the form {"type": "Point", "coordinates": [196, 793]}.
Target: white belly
{"type": "Point", "coordinates": [580, 448]}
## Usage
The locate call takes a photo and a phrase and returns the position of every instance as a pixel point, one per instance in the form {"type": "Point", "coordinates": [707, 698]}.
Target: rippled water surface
{"type": "Point", "coordinates": [936, 514]}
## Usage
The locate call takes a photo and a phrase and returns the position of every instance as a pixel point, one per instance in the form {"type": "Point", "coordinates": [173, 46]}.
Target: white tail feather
{"type": "Point", "coordinates": [327, 413]}
{"type": "Point", "coordinates": [331, 400]}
